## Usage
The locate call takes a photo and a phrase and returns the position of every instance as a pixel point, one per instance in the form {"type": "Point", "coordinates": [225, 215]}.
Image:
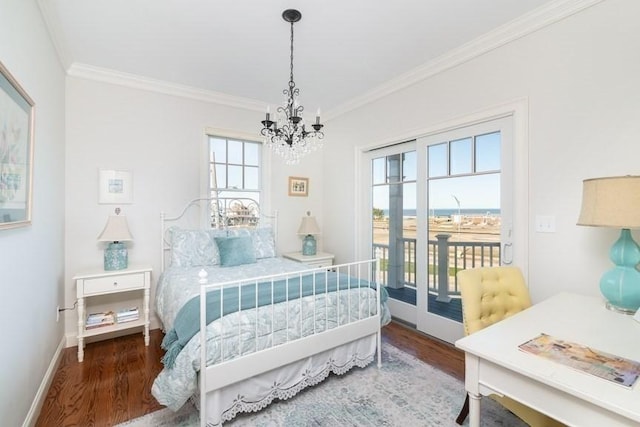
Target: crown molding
{"type": "Point", "coordinates": [134, 81]}
{"type": "Point", "coordinates": [511, 31]}
{"type": "Point", "coordinates": [529, 23]}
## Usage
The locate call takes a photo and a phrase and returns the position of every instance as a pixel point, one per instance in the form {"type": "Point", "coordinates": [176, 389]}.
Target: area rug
{"type": "Point", "coordinates": [404, 392]}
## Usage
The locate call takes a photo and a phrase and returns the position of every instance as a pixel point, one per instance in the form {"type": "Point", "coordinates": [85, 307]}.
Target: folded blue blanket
{"type": "Point", "coordinates": [187, 322]}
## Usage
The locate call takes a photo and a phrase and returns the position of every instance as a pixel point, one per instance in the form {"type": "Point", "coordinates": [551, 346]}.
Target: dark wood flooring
{"type": "Point", "coordinates": [113, 384]}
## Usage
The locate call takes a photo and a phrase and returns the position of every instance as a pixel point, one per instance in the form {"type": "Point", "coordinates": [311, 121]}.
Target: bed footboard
{"type": "Point", "coordinates": [305, 314]}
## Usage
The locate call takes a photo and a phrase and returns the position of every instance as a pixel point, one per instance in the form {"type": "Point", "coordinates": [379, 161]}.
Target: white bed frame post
{"type": "Point", "coordinates": [378, 286]}
{"type": "Point", "coordinates": [203, 346]}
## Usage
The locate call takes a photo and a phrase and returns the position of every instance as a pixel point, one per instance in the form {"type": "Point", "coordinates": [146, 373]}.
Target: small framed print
{"type": "Point", "coordinates": [298, 186]}
{"type": "Point", "coordinates": [115, 187]}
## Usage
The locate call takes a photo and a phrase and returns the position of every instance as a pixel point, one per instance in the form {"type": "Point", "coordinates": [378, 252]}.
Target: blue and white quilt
{"type": "Point", "coordinates": [236, 333]}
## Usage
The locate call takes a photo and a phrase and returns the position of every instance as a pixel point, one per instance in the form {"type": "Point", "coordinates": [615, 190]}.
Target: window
{"type": "Point", "coordinates": [234, 173]}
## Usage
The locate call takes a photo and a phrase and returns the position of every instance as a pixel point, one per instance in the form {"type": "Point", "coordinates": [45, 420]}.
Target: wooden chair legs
{"type": "Point", "coordinates": [464, 411]}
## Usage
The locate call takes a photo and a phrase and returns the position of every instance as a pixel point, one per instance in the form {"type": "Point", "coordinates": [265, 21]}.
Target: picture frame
{"type": "Point", "coordinates": [115, 186]}
{"type": "Point", "coordinates": [298, 186]}
{"type": "Point", "coordinates": [17, 112]}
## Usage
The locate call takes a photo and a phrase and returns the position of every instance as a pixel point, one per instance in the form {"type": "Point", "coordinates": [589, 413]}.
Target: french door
{"type": "Point", "coordinates": [439, 204]}
{"type": "Point", "coordinates": [466, 219]}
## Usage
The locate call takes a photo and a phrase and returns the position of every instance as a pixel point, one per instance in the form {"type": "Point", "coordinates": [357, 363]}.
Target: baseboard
{"type": "Point", "coordinates": [38, 401]}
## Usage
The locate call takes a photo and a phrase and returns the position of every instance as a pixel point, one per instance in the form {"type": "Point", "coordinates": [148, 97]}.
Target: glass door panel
{"type": "Point", "coordinates": [465, 197]}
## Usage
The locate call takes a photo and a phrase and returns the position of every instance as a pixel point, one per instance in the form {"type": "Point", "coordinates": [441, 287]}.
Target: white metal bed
{"type": "Point", "coordinates": [297, 342]}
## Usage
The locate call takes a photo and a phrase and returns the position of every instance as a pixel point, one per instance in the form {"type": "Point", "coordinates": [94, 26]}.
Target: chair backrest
{"type": "Point", "coordinates": [490, 294]}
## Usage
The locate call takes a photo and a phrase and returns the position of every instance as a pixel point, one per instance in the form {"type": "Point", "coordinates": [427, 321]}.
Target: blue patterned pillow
{"type": "Point", "coordinates": [193, 248]}
{"type": "Point", "coordinates": [235, 250]}
{"type": "Point", "coordinates": [264, 243]}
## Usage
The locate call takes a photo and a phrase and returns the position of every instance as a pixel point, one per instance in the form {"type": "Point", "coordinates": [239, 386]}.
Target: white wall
{"type": "Point", "coordinates": [160, 139]}
{"type": "Point", "coordinates": [580, 76]}
{"type": "Point", "coordinates": [31, 258]}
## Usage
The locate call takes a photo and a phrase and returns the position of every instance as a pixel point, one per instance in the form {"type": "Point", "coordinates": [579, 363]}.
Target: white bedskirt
{"type": "Point", "coordinates": [256, 393]}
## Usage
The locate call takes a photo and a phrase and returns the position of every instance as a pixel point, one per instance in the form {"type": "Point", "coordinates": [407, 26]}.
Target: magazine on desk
{"type": "Point", "coordinates": [603, 365]}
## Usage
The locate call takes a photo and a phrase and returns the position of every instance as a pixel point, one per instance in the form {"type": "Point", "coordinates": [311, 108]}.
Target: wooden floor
{"type": "Point", "coordinates": [113, 384]}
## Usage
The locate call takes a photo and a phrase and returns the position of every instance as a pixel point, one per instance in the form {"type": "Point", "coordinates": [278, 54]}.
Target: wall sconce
{"type": "Point", "coordinates": [115, 232]}
{"type": "Point", "coordinates": [308, 228]}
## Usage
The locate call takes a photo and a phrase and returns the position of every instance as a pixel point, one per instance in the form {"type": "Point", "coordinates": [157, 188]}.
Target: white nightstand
{"type": "Point", "coordinates": [320, 259]}
{"type": "Point", "coordinates": [101, 282]}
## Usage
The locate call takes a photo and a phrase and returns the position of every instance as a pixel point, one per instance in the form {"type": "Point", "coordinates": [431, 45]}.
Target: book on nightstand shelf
{"type": "Point", "coordinates": [127, 315]}
{"type": "Point", "coordinates": [97, 320]}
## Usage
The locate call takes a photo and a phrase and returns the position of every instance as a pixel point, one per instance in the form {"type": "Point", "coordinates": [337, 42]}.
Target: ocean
{"type": "Point", "coordinates": [450, 212]}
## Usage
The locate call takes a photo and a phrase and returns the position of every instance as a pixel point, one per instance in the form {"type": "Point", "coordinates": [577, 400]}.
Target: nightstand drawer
{"type": "Point", "coordinates": [113, 283]}
{"type": "Point", "coordinates": [320, 264]}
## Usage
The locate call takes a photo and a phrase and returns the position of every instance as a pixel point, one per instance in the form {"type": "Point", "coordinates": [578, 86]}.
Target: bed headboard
{"type": "Point", "coordinates": [215, 213]}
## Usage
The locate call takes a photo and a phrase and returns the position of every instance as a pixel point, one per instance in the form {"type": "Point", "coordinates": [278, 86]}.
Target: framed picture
{"type": "Point", "coordinates": [298, 186]}
{"type": "Point", "coordinates": [16, 152]}
{"type": "Point", "coordinates": [116, 187]}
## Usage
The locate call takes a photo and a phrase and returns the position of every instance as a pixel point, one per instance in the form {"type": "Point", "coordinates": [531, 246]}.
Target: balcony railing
{"type": "Point", "coordinates": [445, 259]}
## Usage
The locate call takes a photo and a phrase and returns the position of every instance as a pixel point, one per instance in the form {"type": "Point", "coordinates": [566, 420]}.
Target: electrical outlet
{"type": "Point", "coordinates": [57, 313]}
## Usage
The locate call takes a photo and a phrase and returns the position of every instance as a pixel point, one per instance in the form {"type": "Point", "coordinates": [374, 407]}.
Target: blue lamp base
{"type": "Point", "coordinates": [309, 245]}
{"type": "Point", "coordinates": [115, 257]}
{"type": "Point", "coordinates": [621, 285]}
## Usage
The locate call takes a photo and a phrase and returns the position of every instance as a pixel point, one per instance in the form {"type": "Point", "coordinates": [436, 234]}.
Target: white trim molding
{"type": "Point", "coordinates": [533, 21]}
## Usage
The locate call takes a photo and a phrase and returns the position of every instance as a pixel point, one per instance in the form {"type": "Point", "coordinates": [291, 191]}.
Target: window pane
{"type": "Point", "coordinates": [381, 199]}
{"type": "Point", "coordinates": [461, 156]}
{"type": "Point", "coordinates": [409, 198]}
{"type": "Point", "coordinates": [488, 152]}
{"type": "Point", "coordinates": [393, 168]}
{"type": "Point", "coordinates": [437, 156]}
{"type": "Point", "coordinates": [219, 149]}
{"type": "Point", "coordinates": [251, 178]}
{"type": "Point", "coordinates": [251, 154]}
{"type": "Point", "coordinates": [235, 177]}
{"type": "Point", "coordinates": [221, 175]}
{"type": "Point", "coordinates": [409, 166]}
{"type": "Point", "coordinates": [377, 165]}
{"type": "Point", "coordinates": [235, 152]}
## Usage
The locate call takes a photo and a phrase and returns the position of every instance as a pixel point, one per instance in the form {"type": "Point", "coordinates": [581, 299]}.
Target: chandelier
{"type": "Point", "coordinates": [287, 134]}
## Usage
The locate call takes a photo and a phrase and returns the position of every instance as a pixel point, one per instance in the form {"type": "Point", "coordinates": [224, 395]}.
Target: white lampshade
{"type": "Point", "coordinates": [308, 226]}
{"type": "Point", "coordinates": [116, 230]}
{"type": "Point", "coordinates": [611, 202]}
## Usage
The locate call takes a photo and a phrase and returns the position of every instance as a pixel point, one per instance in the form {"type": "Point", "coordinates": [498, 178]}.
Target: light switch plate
{"type": "Point", "coordinates": [545, 223]}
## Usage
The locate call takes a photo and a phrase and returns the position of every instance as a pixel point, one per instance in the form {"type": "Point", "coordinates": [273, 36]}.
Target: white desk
{"type": "Point", "coordinates": [494, 364]}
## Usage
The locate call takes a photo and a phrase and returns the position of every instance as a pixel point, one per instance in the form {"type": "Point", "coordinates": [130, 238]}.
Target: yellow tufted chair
{"type": "Point", "coordinates": [490, 294]}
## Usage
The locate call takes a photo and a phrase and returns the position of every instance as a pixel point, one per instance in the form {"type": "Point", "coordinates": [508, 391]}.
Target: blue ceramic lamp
{"type": "Point", "coordinates": [116, 231]}
{"type": "Point", "coordinates": [615, 202]}
{"type": "Point", "coordinates": [309, 228]}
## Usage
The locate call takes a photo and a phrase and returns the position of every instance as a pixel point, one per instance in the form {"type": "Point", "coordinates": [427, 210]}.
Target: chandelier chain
{"type": "Point", "coordinates": [291, 55]}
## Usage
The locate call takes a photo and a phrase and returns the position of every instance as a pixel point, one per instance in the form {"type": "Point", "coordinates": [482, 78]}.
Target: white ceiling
{"type": "Point", "coordinates": [343, 49]}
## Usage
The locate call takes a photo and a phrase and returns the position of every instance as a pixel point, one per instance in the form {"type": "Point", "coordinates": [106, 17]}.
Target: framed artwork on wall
{"type": "Point", "coordinates": [115, 187]}
{"type": "Point", "coordinates": [298, 186]}
{"type": "Point", "coordinates": [16, 152]}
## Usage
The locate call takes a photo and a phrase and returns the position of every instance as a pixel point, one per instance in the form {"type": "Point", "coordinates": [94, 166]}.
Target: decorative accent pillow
{"type": "Point", "coordinates": [193, 248]}
{"type": "Point", "coordinates": [235, 250]}
{"type": "Point", "coordinates": [264, 243]}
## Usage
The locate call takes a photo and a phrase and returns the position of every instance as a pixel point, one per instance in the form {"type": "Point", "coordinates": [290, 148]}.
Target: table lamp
{"type": "Point", "coordinates": [115, 232]}
{"type": "Point", "coordinates": [308, 228]}
{"type": "Point", "coordinates": [615, 202]}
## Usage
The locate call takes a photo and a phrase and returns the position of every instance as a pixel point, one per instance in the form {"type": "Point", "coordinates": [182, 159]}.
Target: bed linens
{"type": "Point", "coordinates": [220, 302]}
{"type": "Point", "coordinates": [236, 334]}
{"type": "Point", "coordinates": [176, 285]}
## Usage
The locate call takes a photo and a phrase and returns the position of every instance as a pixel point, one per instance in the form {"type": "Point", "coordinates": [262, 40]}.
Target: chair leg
{"type": "Point", "coordinates": [464, 411]}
